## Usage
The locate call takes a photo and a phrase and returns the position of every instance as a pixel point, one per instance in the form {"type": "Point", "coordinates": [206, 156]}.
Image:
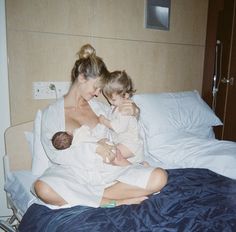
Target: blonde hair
{"type": "Point", "coordinates": [118, 82]}
{"type": "Point", "coordinates": [86, 50]}
{"type": "Point", "coordinates": [88, 64]}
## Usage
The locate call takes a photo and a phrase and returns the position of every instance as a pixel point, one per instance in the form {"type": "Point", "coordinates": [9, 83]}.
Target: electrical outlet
{"type": "Point", "coordinates": [50, 90]}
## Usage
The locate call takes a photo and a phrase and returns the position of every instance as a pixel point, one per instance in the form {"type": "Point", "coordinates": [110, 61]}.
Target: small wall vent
{"type": "Point", "coordinates": [157, 14]}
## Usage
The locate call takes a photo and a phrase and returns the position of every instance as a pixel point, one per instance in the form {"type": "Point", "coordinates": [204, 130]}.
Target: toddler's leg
{"type": "Point", "coordinates": [125, 151]}
{"type": "Point", "coordinates": [120, 160]}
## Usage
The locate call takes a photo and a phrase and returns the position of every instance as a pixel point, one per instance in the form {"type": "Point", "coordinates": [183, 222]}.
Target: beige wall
{"type": "Point", "coordinates": [44, 35]}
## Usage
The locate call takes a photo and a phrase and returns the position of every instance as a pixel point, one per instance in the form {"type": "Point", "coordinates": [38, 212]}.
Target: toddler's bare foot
{"type": "Point", "coordinates": [145, 164]}
{"type": "Point", "coordinates": [120, 160]}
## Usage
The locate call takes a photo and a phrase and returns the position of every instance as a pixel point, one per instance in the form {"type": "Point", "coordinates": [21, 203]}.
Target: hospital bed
{"type": "Point", "coordinates": [178, 135]}
{"type": "Point", "coordinates": [17, 170]}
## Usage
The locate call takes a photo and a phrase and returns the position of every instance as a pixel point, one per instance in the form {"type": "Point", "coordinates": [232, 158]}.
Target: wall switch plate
{"type": "Point", "coordinates": [49, 90]}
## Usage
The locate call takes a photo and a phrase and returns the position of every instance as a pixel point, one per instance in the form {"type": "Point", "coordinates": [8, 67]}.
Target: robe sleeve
{"type": "Point", "coordinates": [52, 122]}
{"type": "Point", "coordinates": [121, 122]}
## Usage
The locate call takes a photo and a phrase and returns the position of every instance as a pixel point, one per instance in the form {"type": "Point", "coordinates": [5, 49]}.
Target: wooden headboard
{"type": "Point", "coordinates": [17, 149]}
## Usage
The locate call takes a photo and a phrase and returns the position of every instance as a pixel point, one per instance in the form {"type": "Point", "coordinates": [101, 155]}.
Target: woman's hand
{"type": "Point", "coordinates": [129, 108]}
{"type": "Point", "coordinates": [106, 151]}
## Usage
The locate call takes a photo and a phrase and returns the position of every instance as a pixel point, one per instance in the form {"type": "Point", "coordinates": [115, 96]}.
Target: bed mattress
{"type": "Point", "coordinates": [17, 186]}
{"type": "Point", "coordinates": [194, 200]}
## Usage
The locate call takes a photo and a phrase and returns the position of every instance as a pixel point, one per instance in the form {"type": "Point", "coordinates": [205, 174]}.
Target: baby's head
{"type": "Point", "coordinates": [118, 87]}
{"type": "Point", "coordinates": [62, 140]}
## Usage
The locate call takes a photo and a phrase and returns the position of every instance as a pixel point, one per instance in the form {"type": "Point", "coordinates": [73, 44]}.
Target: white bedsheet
{"type": "Point", "coordinates": [18, 184]}
{"type": "Point", "coordinates": [192, 152]}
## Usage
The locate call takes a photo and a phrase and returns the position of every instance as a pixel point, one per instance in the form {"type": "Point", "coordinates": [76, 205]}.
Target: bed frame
{"type": "Point", "coordinates": [17, 157]}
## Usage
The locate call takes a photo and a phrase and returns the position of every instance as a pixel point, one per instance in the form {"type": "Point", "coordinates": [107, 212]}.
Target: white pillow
{"type": "Point", "coordinates": [166, 112]}
{"type": "Point", "coordinates": [40, 160]}
{"type": "Point", "coordinates": [29, 136]}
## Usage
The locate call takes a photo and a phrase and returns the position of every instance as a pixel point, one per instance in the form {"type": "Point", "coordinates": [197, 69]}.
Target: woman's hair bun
{"type": "Point", "coordinates": [86, 51]}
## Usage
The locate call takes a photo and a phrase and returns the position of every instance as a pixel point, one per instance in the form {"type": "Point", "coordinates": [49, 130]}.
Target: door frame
{"type": "Point", "coordinates": [219, 15]}
{"type": "Point", "coordinates": [214, 7]}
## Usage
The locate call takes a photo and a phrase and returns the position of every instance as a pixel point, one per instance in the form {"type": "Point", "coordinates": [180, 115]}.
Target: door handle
{"type": "Point", "coordinates": [228, 81]}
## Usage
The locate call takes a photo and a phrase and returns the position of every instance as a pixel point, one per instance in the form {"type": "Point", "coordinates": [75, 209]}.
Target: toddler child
{"type": "Point", "coordinates": [118, 87]}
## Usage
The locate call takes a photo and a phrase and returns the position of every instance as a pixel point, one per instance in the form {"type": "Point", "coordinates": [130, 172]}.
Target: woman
{"type": "Point", "coordinates": [61, 183]}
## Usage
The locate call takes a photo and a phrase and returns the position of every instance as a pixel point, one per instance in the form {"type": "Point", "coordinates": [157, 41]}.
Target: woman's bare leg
{"type": "Point", "coordinates": [126, 194]}
{"type": "Point", "coordinates": [47, 194]}
{"type": "Point", "coordinates": [156, 182]}
{"type": "Point", "coordinates": [128, 201]}
{"type": "Point", "coordinates": [124, 191]}
{"type": "Point", "coordinates": [121, 192]}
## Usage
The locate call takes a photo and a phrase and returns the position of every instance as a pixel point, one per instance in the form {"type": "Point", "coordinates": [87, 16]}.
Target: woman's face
{"type": "Point", "coordinates": [89, 88]}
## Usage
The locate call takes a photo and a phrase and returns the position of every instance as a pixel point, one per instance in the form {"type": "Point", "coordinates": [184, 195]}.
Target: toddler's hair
{"type": "Point", "coordinates": [62, 140]}
{"type": "Point", "coordinates": [118, 82]}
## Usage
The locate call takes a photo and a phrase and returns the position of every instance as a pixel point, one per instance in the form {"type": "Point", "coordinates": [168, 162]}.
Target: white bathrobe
{"type": "Point", "coordinates": [73, 169]}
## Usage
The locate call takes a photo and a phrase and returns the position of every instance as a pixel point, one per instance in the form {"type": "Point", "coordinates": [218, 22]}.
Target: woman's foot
{"type": "Point", "coordinates": [131, 201]}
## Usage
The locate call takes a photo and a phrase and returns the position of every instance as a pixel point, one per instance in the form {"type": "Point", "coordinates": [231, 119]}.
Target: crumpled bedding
{"type": "Point", "coordinates": [193, 200]}
{"type": "Point", "coordinates": [18, 185]}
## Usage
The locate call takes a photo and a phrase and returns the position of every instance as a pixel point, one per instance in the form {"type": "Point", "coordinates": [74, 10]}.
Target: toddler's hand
{"type": "Point", "coordinates": [129, 108]}
{"type": "Point", "coordinates": [120, 160]}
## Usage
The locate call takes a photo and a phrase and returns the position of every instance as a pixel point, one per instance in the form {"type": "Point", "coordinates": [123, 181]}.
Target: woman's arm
{"type": "Point", "coordinates": [53, 121]}
{"type": "Point", "coordinates": [104, 121]}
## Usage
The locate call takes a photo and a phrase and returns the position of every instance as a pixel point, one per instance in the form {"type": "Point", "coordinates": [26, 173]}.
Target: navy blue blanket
{"type": "Point", "coordinates": [194, 200]}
